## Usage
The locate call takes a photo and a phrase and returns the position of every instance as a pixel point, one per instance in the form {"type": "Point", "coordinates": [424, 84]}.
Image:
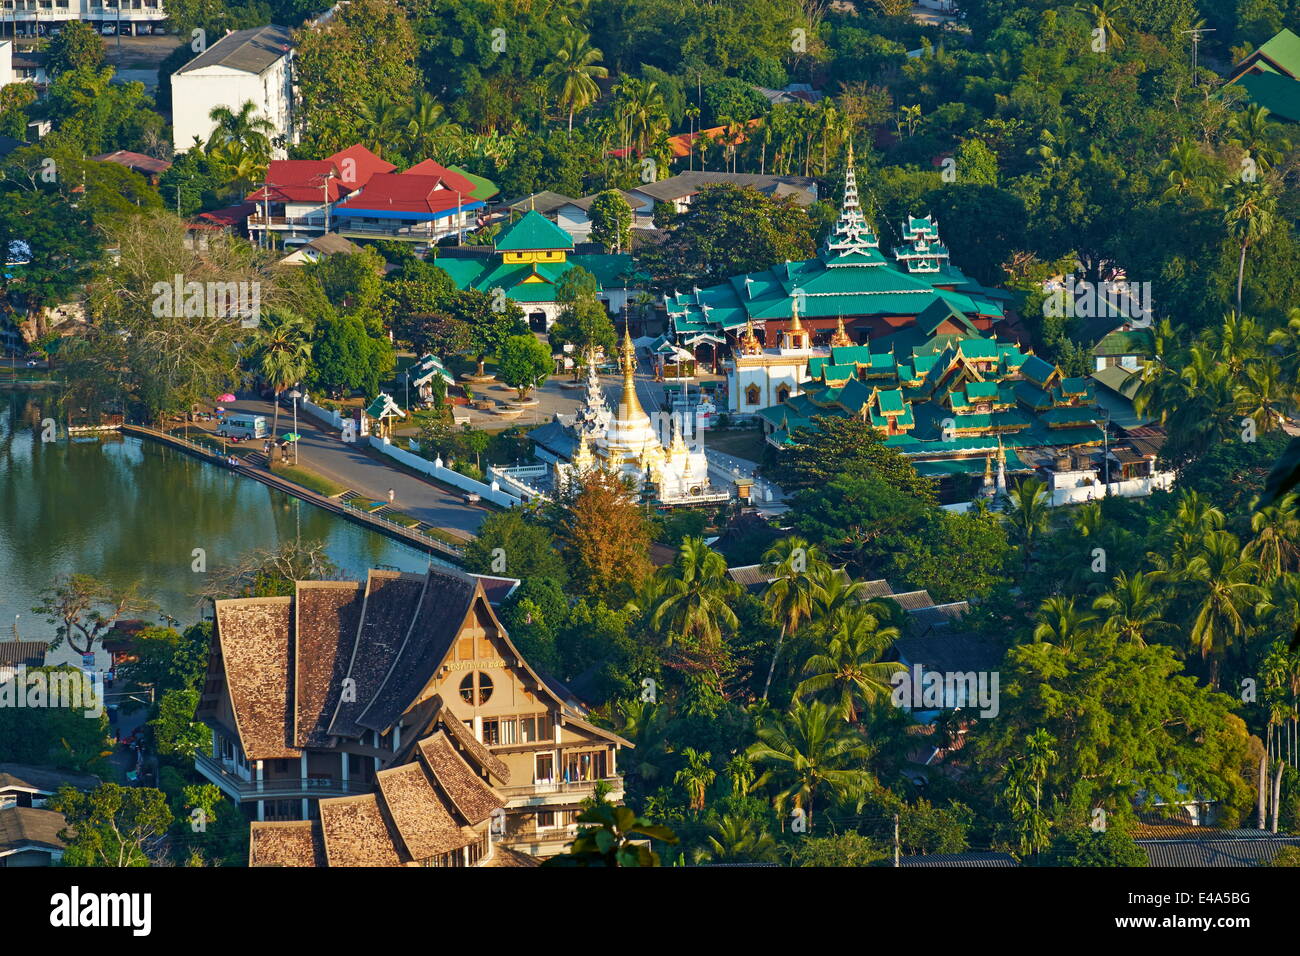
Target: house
{"type": "Point", "coordinates": [677, 191]}
{"type": "Point", "coordinates": [1270, 76]}
{"type": "Point", "coordinates": [22, 785]}
{"type": "Point", "coordinates": [1206, 847]}
{"type": "Point", "coordinates": [20, 654]}
{"type": "Point", "coordinates": [574, 217]}
{"type": "Point", "coordinates": [425, 203]}
{"type": "Point", "coordinates": [392, 721]}
{"type": "Point", "coordinates": [330, 244]}
{"type": "Point", "coordinates": [296, 199]}
{"type": "Point", "coordinates": [252, 65]}
{"type": "Point", "coordinates": [31, 67]}
{"type": "Point", "coordinates": [422, 374]}
{"type": "Point", "coordinates": [530, 257]}
{"type": "Point", "coordinates": [30, 837]}
{"type": "Point", "coordinates": [792, 93]}
{"type": "Point", "coordinates": [147, 166]}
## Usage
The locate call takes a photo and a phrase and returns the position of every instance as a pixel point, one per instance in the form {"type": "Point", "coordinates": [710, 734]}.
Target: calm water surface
{"type": "Point", "coordinates": [125, 510]}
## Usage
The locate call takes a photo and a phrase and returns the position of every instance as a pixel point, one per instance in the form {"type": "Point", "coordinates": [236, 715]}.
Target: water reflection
{"type": "Point", "coordinates": [124, 509]}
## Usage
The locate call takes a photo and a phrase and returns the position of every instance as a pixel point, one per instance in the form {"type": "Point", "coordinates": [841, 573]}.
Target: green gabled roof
{"type": "Point", "coordinates": [979, 348]}
{"type": "Point", "coordinates": [1279, 94]}
{"type": "Point", "coordinates": [1036, 370]}
{"type": "Point", "coordinates": [1030, 394]}
{"type": "Point", "coordinates": [1067, 415]}
{"type": "Point", "coordinates": [612, 270]}
{"type": "Point", "coordinates": [851, 355]}
{"type": "Point", "coordinates": [838, 372]}
{"type": "Point", "coordinates": [1284, 50]}
{"type": "Point", "coordinates": [982, 390]}
{"type": "Point", "coordinates": [816, 364]}
{"type": "Point", "coordinates": [891, 401]}
{"type": "Point", "coordinates": [484, 189]}
{"type": "Point", "coordinates": [1119, 380]}
{"type": "Point", "coordinates": [940, 311]}
{"type": "Point", "coordinates": [943, 467]}
{"type": "Point", "coordinates": [1074, 385]}
{"type": "Point", "coordinates": [533, 232]}
{"type": "Point", "coordinates": [1134, 342]}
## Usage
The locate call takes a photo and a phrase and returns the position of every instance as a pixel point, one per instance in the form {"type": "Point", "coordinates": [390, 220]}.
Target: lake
{"type": "Point", "coordinates": [124, 509]}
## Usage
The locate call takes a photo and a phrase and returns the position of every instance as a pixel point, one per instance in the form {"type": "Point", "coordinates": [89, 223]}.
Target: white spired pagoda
{"type": "Point", "coordinates": [629, 443]}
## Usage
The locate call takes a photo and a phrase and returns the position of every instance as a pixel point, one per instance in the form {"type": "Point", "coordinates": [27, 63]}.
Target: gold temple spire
{"type": "Point", "coordinates": [749, 344]}
{"type": "Point", "coordinates": [629, 406]}
{"type": "Point", "coordinates": [840, 337]}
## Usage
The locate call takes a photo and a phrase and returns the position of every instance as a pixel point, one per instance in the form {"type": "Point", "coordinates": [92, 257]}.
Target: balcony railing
{"type": "Point", "coordinates": [288, 222]}
{"type": "Point", "coordinates": [547, 789]}
{"type": "Point", "coordinates": [255, 789]}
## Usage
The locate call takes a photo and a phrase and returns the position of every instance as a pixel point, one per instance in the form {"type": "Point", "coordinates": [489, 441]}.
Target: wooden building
{"type": "Point", "coordinates": [392, 722]}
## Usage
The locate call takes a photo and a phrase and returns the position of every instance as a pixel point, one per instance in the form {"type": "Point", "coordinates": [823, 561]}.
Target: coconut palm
{"type": "Point", "coordinates": [425, 130]}
{"type": "Point", "coordinates": [1132, 608]}
{"type": "Point", "coordinates": [1030, 515]}
{"type": "Point", "coordinates": [237, 167]}
{"type": "Point", "coordinates": [1276, 542]}
{"type": "Point", "coordinates": [1186, 170]}
{"type": "Point", "coordinates": [243, 127]}
{"type": "Point", "coordinates": [794, 565]}
{"type": "Point", "coordinates": [385, 121]}
{"type": "Point", "coordinates": [1249, 211]}
{"type": "Point", "coordinates": [848, 670]}
{"type": "Point", "coordinates": [807, 751]}
{"type": "Point", "coordinates": [1107, 15]}
{"type": "Point", "coordinates": [1222, 583]}
{"type": "Point", "coordinates": [644, 724]}
{"type": "Point", "coordinates": [1262, 394]}
{"type": "Point", "coordinates": [283, 355]}
{"type": "Point", "coordinates": [1258, 136]}
{"type": "Point", "coordinates": [1061, 624]}
{"type": "Point", "coordinates": [736, 839]}
{"type": "Point", "coordinates": [696, 777]}
{"type": "Point", "coordinates": [695, 599]}
{"type": "Point", "coordinates": [571, 76]}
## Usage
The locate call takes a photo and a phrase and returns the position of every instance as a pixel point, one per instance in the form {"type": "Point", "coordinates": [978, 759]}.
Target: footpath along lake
{"type": "Point", "coordinates": [125, 509]}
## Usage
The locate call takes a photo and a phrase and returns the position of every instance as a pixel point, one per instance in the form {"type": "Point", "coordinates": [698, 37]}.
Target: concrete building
{"type": "Point", "coordinates": [33, 18]}
{"type": "Point", "coordinates": [247, 66]}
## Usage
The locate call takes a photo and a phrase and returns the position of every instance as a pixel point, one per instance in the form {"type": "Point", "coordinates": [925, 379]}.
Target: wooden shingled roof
{"type": "Point", "coordinates": [425, 819]}
{"type": "Point", "coordinates": [286, 843]}
{"type": "Point", "coordinates": [357, 832]}
{"type": "Point", "coordinates": [470, 793]}
{"type": "Point", "coordinates": [255, 639]}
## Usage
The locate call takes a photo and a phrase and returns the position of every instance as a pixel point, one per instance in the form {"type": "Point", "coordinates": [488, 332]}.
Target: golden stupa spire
{"type": "Point", "coordinates": [794, 314]}
{"type": "Point", "coordinates": [749, 344]}
{"type": "Point", "coordinates": [840, 337]}
{"type": "Point", "coordinates": [629, 405]}
{"type": "Point", "coordinates": [850, 152]}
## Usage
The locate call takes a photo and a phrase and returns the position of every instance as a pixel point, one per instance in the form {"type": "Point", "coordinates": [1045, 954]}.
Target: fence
{"type": "Point", "coordinates": [436, 469]}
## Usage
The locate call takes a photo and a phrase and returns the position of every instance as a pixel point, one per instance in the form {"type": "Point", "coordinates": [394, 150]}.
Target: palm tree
{"type": "Point", "coordinates": [641, 114]}
{"type": "Point", "coordinates": [694, 602]}
{"type": "Point", "coordinates": [736, 839]}
{"type": "Point", "coordinates": [692, 114]}
{"type": "Point", "coordinates": [1289, 338]}
{"type": "Point", "coordinates": [242, 127]}
{"type": "Point", "coordinates": [808, 750]}
{"type": "Point", "coordinates": [1030, 515]}
{"type": "Point", "coordinates": [1223, 582]}
{"type": "Point", "coordinates": [1132, 608]}
{"type": "Point", "coordinates": [1061, 624]}
{"type": "Point", "coordinates": [237, 167]}
{"type": "Point", "coordinates": [283, 354]}
{"type": "Point", "coordinates": [1257, 136]}
{"type": "Point", "coordinates": [385, 122]}
{"type": "Point", "coordinates": [425, 130]}
{"type": "Point", "coordinates": [849, 669]}
{"type": "Point", "coordinates": [1263, 395]}
{"type": "Point", "coordinates": [1106, 15]}
{"type": "Point", "coordinates": [1249, 211]}
{"type": "Point", "coordinates": [571, 76]}
{"type": "Point", "coordinates": [794, 565]}
{"type": "Point", "coordinates": [696, 777]}
{"type": "Point", "coordinates": [1276, 542]}
{"type": "Point", "coordinates": [1186, 170]}
{"type": "Point", "coordinates": [644, 724]}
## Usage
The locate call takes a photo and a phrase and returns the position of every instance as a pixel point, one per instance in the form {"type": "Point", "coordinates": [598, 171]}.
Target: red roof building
{"type": "Point", "coordinates": [356, 165]}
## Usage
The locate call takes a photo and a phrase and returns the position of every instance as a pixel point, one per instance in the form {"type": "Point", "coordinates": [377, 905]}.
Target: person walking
{"type": "Point", "coordinates": [391, 495]}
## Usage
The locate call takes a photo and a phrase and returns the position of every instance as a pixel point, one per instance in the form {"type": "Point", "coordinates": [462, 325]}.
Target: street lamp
{"type": "Point", "coordinates": [295, 395]}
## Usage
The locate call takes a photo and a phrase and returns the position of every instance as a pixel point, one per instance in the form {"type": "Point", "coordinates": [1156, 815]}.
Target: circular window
{"type": "Point", "coordinates": [484, 688]}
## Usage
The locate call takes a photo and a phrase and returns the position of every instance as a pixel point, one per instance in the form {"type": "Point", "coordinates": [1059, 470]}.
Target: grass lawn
{"type": "Point", "coordinates": [744, 443]}
{"type": "Point", "coordinates": [309, 479]}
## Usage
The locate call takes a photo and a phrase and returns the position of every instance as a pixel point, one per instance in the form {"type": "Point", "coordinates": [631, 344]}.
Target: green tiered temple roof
{"type": "Point", "coordinates": [850, 277]}
{"type": "Point", "coordinates": [949, 403]}
{"type": "Point", "coordinates": [532, 255]}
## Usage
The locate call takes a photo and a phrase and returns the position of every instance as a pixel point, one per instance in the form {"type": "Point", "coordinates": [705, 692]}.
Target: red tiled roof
{"type": "Point", "coordinates": [405, 192]}
{"type": "Point", "coordinates": [136, 161]}
{"type": "Point", "coordinates": [300, 180]}
{"type": "Point", "coordinates": [230, 216]}
{"type": "Point", "coordinates": [364, 165]}
{"type": "Point", "coordinates": [450, 180]}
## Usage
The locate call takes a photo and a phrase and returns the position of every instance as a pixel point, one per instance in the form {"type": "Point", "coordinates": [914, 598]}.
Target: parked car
{"type": "Point", "coordinates": [109, 31]}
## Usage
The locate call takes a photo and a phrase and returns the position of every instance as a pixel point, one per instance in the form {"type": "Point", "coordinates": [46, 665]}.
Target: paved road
{"type": "Point", "coordinates": [322, 451]}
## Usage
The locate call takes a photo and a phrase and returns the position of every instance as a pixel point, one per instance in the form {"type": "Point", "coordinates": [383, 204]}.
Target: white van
{"type": "Point", "coordinates": [243, 426]}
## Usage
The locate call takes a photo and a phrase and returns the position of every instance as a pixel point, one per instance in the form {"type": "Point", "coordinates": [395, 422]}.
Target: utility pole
{"type": "Point", "coordinates": [1196, 34]}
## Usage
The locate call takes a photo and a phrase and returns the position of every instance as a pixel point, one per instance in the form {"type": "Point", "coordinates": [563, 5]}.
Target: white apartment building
{"type": "Point", "coordinates": [110, 17]}
{"type": "Point", "coordinates": [249, 65]}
